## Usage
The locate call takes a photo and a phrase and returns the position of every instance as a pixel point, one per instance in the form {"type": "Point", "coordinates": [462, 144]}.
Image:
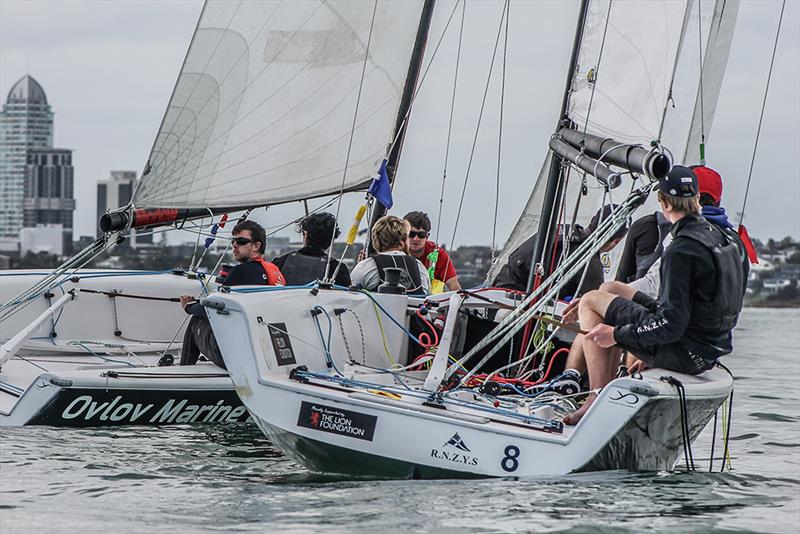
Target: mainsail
{"type": "Point", "coordinates": [263, 108]}
{"type": "Point", "coordinates": [638, 82]}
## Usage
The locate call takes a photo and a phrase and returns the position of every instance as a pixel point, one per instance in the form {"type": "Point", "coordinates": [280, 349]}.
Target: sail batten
{"type": "Point", "coordinates": [262, 110]}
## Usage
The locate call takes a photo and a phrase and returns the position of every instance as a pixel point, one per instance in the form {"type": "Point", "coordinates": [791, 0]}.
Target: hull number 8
{"type": "Point", "coordinates": [509, 463]}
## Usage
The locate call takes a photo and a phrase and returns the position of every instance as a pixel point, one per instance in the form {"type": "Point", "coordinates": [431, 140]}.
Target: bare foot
{"type": "Point", "coordinates": [573, 418]}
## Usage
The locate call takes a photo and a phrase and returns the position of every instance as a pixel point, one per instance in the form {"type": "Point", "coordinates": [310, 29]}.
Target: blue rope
{"type": "Point", "coordinates": [90, 351]}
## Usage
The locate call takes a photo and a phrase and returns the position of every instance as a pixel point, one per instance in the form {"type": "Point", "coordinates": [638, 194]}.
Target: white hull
{"type": "Point", "coordinates": [365, 424]}
{"type": "Point", "coordinates": [95, 361]}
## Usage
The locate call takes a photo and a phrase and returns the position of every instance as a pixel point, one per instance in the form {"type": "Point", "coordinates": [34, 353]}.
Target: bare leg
{"type": "Point", "coordinates": [576, 360]}
{"type": "Point", "coordinates": [619, 289]}
{"type": "Point", "coordinates": [599, 362]}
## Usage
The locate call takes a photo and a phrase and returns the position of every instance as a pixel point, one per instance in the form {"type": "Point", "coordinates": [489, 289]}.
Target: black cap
{"type": "Point", "coordinates": [681, 182]}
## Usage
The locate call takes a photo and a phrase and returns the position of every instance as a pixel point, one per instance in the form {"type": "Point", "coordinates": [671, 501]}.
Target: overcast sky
{"type": "Point", "coordinates": [108, 68]}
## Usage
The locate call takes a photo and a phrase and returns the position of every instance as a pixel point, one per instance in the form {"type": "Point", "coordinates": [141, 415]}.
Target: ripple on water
{"type": "Point", "coordinates": [215, 479]}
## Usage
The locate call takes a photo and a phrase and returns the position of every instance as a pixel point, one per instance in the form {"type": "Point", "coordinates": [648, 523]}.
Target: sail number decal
{"type": "Point", "coordinates": [510, 461]}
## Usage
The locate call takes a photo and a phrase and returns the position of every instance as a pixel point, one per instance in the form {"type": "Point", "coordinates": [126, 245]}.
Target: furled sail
{"type": "Point", "coordinates": [638, 80]}
{"type": "Point", "coordinates": [265, 102]}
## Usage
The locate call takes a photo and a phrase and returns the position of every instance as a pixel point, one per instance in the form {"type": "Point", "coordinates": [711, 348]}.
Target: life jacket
{"type": "Point", "coordinates": [721, 314]}
{"type": "Point", "coordinates": [301, 269]}
{"type": "Point", "coordinates": [645, 261]}
{"type": "Point", "coordinates": [274, 275]}
{"type": "Point", "coordinates": [409, 275]}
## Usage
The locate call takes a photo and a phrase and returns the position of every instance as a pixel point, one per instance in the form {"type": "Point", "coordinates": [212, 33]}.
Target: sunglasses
{"type": "Point", "coordinates": [422, 234]}
{"type": "Point", "coordinates": [241, 241]}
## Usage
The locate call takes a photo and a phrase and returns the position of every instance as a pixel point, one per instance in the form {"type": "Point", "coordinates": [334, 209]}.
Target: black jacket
{"type": "Point", "coordinates": [514, 274]}
{"type": "Point", "coordinates": [643, 246]}
{"type": "Point", "coordinates": [250, 273]}
{"type": "Point", "coordinates": [307, 265]}
{"type": "Point", "coordinates": [702, 287]}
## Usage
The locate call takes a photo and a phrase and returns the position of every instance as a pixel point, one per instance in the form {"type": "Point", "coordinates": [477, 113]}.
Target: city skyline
{"type": "Point", "coordinates": [112, 112]}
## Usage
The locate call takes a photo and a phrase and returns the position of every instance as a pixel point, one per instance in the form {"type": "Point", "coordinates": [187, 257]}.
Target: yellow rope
{"type": "Point", "coordinates": [727, 449]}
{"type": "Point", "coordinates": [383, 334]}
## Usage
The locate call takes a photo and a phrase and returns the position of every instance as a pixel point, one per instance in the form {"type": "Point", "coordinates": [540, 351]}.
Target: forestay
{"type": "Point", "coordinates": [638, 80]}
{"type": "Point", "coordinates": [263, 107]}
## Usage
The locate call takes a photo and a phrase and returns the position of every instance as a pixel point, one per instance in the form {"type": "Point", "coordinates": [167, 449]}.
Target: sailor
{"type": "Point", "coordinates": [441, 271]}
{"type": "Point", "coordinates": [310, 262]}
{"type": "Point", "coordinates": [689, 326]}
{"type": "Point", "coordinates": [390, 240]}
{"type": "Point", "coordinates": [709, 184]}
{"type": "Point", "coordinates": [515, 273]}
{"type": "Point", "coordinates": [249, 241]}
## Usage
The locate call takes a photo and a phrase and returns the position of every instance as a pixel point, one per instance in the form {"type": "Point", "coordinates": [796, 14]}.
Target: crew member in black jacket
{"type": "Point", "coordinates": [249, 241]}
{"type": "Point", "coordinates": [689, 326]}
{"type": "Point", "coordinates": [309, 263]}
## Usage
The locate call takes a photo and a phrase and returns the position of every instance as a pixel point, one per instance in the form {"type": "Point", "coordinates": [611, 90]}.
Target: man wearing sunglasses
{"type": "Point", "coordinates": [248, 242]}
{"type": "Point", "coordinates": [441, 271]}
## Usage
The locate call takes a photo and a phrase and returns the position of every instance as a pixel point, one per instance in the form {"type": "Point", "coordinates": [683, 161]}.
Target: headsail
{"type": "Point", "coordinates": [262, 109]}
{"type": "Point", "coordinates": [637, 81]}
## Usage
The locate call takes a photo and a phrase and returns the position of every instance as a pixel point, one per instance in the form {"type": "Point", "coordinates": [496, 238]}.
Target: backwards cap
{"type": "Point", "coordinates": [681, 182]}
{"type": "Point", "coordinates": [709, 181]}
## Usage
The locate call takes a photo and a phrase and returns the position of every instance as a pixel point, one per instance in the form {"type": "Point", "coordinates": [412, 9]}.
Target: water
{"type": "Point", "coordinates": [209, 479]}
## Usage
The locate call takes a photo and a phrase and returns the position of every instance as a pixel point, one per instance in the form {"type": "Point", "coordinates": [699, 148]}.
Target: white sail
{"type": "Point", "coordinates": [264, 105]}
{"type": "Point", "coordinates": [646, 87]}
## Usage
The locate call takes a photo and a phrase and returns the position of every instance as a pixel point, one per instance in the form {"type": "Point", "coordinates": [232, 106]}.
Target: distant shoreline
{"type": "Point", "coordinates": [764, 303]}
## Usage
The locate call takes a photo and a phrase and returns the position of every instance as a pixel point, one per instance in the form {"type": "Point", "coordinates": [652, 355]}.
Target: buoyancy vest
{"type": "Point", "coordinates": [274, 275]}
{"type": "Point", "coordinates": [409, 275]}
{"type": "Point", "coordinates": [721, 314]}
{"type": "Point", "coordinates": [299, 269]}
{"type": "Point", "coordinates": [645, 261]}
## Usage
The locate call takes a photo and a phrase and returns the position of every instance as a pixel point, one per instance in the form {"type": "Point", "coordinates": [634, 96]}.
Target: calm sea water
{"type": "Point", "coordinates": [208, 479]}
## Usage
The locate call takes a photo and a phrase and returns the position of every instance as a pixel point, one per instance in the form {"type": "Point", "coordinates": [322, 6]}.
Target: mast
{"type": "Point", "coordinates": [550, 205]}
{"type": "Point", "coordinates": [401, 124]}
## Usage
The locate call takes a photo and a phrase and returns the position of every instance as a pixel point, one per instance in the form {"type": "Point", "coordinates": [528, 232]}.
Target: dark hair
{"type": "Point", "coordinates": [418, 219]}
{"type": "Point", "coordinates": [604, 213]}
{"type": "Point", "coordinates": [257, 232]}
{"type": "Point", "coordinates": [707, 200]}
{"type": "Point", "coordinates": [319, 227]}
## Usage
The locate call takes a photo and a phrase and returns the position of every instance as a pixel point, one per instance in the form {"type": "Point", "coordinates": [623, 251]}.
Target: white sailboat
{"type": "Point", "coordinates": [324, 370]}
{"type": "Point", "coordinates": [262, 113]}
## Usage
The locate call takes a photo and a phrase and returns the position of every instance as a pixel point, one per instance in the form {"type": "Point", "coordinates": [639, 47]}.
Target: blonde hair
{"type": "Point", "coordinates": [681, 204]}
{"type": "Point", "coordinates": [389, 232]}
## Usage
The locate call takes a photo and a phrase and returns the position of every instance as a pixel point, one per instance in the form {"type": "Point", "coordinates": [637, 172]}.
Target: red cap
{"type": "Point", "coordinates": [709, 181]}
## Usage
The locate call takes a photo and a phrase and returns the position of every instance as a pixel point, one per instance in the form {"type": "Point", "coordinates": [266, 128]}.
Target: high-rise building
{"type": "Point", "coordinates": [26, 122]}
{"type": "Point", "coordinates": [49, 191]}
{"type": "Point", "coordinates": [116, 192]}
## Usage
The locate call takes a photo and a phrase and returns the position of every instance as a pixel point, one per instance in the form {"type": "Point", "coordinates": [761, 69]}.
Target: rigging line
{"type": "Point", "coordinates": [761, 117]}
{"type": "Point", "coordinates": [352, 130]}
{"type": "Point", "coordinates": [702, 113]}
{"type": "Point", "coordinates": [500, 135]}
{"type": "Point", "coordinates": [422, 81]}
{"type": "Point", "coordinates": [597, 68]}
{"type": "Point", "coordinates": [478, 125]}
{"type": "Point", "coordinates": [450, 123]}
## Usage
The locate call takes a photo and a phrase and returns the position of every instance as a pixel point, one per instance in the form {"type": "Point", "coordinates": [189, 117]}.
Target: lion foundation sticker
{"type": "Point", "coordinates": [280, 342]}
{"type": "Point", "coordinates": [336, 421]}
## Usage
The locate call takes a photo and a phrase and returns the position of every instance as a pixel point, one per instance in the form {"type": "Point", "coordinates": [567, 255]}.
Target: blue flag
{"type": "Point", "coordinates": [380, 187]}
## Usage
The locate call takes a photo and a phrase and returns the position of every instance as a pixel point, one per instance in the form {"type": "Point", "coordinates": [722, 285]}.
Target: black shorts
{"type": "Point", "coordinates": [672, 356]}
